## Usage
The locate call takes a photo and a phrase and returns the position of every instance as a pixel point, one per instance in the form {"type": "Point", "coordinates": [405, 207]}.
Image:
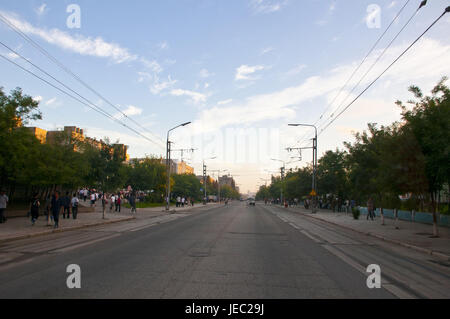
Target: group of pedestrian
{"type": "Point", "coordinates": [115, 202]}
{"type": "Point", "coordinates": [182, 201]}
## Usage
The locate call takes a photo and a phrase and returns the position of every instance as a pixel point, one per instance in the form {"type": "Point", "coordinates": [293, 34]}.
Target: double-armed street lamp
{"type": "Point", "coordinates": [204, 178]}
{"type": "Point", "coordinates": [168, 164]}
{"type": "Point", "coordinates": [314, 183]}
{"type": "Point", "coordinates": [282, 177]}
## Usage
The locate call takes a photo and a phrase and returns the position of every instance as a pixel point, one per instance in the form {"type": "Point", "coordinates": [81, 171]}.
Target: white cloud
{"type": "Point", "coordinates": [80, 44]}
{"type": "Point", "coordinates": [51, 101]}
{"type": "Point", "coordinates": [196, 97]}
{"type": "Point", "coordinates": [296, 70]}
{"type": "Point", "coordinates": [243, 72]}
{"type": "Point", "coordinates": [266, 50]}
{"type": "Point", "coordinates": [12, 55]}
{"type": "Point", "coordinates": [132, 110]}
{"type": "Point", "coordinates": [143, 76]}
{"type": "Point", "coordinates": [152, 65]}
{"type": "Point", "coordinates": [267, 6]}
{"type": "Point", "coordinates": [427, 61]}
{"type": "Point", "coordinates": [224, 102]}
{"type": "Point", "coordinates": [129, 111]}
{"type": "Point", "coordinates": [163, 45]}
{"type": "Point", "coordinates": [42, 9]}
{"type": "Point", "coordinates": [158, 86]}
{"type": "Point", "coordinates": [204, 73]}
{"type": "Point", "coordinates": [206, 85]}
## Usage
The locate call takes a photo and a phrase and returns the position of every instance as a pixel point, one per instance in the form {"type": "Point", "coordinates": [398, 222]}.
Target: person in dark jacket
{"type": "Point", "coordinates": [56, 208]}
{"type": "Point", "coordinates": [66, 204]}
{"type": "Point", "coordinates": [34, 208]}
{"type": "Point", "coordinates": [132, 200]}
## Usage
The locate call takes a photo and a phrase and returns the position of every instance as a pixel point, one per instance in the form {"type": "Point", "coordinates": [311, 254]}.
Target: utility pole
{"type": "Point", "coordinates": [168, 164]}
{"type": "Point", "coordinates": [314, 183]}
{"type": "Point", "coordinates": [204, 182]}
{"type": "Point", "coordinates": [282, 170]}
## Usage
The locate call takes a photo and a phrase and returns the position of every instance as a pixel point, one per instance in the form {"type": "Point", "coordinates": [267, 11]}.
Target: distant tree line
{"type": "Point", "coordinates": [408, 157]}
{"type": "Point", "coordinates": [28, 166]}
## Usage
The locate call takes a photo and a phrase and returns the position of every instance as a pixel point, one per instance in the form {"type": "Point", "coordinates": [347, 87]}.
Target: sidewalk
{"type": "Point", "coordinates": [20, 227]}
{"type": "Point", "coordinates": [408, 234]}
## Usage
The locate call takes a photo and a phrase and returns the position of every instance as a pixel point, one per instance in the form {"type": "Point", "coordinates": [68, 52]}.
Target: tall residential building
{"type": "Point", "coordinates": [73, 133]}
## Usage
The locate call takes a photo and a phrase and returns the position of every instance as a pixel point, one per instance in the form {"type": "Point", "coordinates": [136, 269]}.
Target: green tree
{"type": "Point", "coordinates": [429, 123]}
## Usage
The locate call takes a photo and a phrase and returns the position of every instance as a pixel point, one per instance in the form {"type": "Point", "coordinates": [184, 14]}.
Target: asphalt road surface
{"type": "Point", "coordinates": [233, 251]}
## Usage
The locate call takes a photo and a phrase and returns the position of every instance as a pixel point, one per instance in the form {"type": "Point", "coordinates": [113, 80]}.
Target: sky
{"type": "Point", "coordinates": [239, 70]}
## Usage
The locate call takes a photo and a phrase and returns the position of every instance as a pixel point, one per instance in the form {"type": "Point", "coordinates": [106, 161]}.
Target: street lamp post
{"type": "Point", "coordinates": [168, 164]}
{"type": "Point", "coordinates": [282, 177]}
{"type": "Point", "coordinates": [314, 183]}
{"type": "Point", "coordinates": [204, 178]}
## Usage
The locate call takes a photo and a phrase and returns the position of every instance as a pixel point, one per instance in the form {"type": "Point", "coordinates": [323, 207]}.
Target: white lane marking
{"type": "Point", "coordinates": [65, 249]}
{"type": "Point", "coordinates": [293, 225]}
{"type": "Point", "coordinates": [310, 236]}
{"type": "Point", "coordinates": [396, 291]}
{"type": "Point", "coordinates": [143, 227]}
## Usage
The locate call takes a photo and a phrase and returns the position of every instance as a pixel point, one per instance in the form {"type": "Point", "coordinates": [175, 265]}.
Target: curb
{"type": "Point", "coordinates": [60, 230]}
{"type": "Point", "coordinates": [414, 247]}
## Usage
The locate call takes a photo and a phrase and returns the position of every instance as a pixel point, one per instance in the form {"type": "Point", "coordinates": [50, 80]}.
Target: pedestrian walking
{"type": "Point", "coordinates": [66, 204]}
{"type": "Point", "coordinates": [183, 200]}
{"type": "Point", "coordinates": [178, 203]}
{"type": "Point", "coordinates": [118, 202]}
{"type": "Point", "coordinates": [3, 203]}
{"type": "Point", "coordinates": [132, 200]}
{"type": "Point", "coordinates": [93, 198]}
{"type": "Point", "coordinates": [34, 208]}
{"type": "Point", "coordinates": [104, 202]}
{"type": "Point", "coordinates": [370, 208]}
{"type": "Point", "coordinates": [113, 202]}
{"type": "Point", "coordinates": [74, 203]}
{"type": "Point", "coordinates": [56, 208]}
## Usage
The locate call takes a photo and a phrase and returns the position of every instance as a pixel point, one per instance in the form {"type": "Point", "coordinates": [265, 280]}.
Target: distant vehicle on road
{"type": "Point", "coordinates": [251, 201]}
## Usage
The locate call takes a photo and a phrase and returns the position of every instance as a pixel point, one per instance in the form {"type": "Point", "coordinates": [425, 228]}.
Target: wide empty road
{"type": "Point", "coordinates": [233, 251]}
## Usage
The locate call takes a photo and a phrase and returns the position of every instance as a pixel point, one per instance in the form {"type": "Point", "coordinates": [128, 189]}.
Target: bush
{"type": "Point", "coordinates": [356, 213]}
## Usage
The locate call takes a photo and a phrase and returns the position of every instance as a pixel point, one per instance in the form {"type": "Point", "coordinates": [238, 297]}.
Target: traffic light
{"type": "Point", "coordinates": [204, 170]}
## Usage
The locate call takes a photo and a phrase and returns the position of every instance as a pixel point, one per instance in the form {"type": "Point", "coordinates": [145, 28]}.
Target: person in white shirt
{"type": "Point", "coordinates": [113, 201]}
{"type": "Point", "coordinates": [93, 198]}
{"type": "Point", "coordinates": [74, 203]}
{"type": "Point", "coordinates": [3, 202]}
{"type": "Point", "coordinates": [182, 201]}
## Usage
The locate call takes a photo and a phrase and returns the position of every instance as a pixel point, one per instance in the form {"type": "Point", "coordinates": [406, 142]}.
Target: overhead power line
{"type": "Point", "coordinates": [378, 58]}
{"type": "Point", "coordinates": [99, 110]}
{"type": "Point", "coordinates": [390, 65]}
{"type": "Point", "coordinates": [67, 70]}
{"type": "Point", "coordinates": [307, 135]}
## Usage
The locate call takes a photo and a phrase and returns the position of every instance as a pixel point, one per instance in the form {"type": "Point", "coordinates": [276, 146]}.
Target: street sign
{"type": "Point", "coordinates": [313, 193]}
